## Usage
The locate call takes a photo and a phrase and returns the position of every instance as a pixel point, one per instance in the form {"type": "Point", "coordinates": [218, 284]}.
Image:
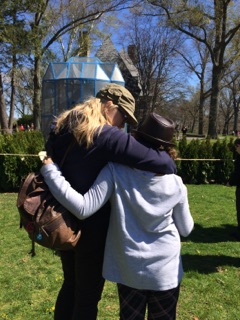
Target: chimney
{"type": "Point", "coordinates": [132, 53]}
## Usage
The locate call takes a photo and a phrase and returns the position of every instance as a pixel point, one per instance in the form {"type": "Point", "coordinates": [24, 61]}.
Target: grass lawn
{"type": "Point", "coordinates": [211, 258]}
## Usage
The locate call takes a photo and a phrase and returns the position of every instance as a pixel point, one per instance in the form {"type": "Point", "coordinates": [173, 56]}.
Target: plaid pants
{"type": "Point", "coordinates": [161, 305]}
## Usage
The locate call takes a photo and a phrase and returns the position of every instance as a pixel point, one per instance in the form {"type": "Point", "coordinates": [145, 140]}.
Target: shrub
{"type": "Point", "coordinates": [205, 168]}
{"type": "Point", "coordinates": [222, 169]}
{"type": "Point", "coordinates": [189, 168]}
{"type": "Point", "coordinates": [15, 167]}
{"type": "Point", "coordinates": [200, 171]}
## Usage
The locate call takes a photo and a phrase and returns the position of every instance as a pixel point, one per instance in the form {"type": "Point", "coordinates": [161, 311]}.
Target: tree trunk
{"type": "Point", "coordinates": [3, 111]}
{"type": "Point", "coordinates": [37, 93]}
{"type": "Point", "coordinates": [236, 111]}
{"type": "Point", "coordinates": [226, 124]}
{"type": "Point", "coordinates": [214, 102]}
{"type": "Point", "coordinates": [193, 125]}
{"type": "Point", "coordinates": [13, 93]}
{"type": "Point", "coordinates": [201, 107]}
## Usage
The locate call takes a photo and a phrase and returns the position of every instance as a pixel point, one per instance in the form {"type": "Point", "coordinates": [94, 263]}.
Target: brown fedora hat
{"type": "Point", "coordinates": [157, 130]}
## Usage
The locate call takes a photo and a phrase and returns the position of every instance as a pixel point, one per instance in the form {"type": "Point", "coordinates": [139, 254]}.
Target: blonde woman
{"type": "Point", "coordinates": [95, 127]}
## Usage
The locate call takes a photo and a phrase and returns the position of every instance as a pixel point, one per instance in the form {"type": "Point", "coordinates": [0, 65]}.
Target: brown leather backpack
{"type": "Point", "coordinates": [47, 222]}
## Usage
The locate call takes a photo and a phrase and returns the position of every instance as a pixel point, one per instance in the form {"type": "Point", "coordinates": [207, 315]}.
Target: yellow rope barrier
{"type": "Point", "coordinates": [41, 154]}
{"type": "Point", "coordinates": [179, 159]}
{"type": "Point", "coordinates": [19, 154]}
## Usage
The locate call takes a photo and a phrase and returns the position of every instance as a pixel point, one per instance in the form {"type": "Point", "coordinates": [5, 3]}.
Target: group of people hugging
{"type": "Point", "coordinates": [131, 205]}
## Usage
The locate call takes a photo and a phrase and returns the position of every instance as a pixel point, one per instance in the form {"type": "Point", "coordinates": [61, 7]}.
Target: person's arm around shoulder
{"type": "Point", "coordinates": [123, 148]}
{"type": "Point", "coordinates": [81, 206]}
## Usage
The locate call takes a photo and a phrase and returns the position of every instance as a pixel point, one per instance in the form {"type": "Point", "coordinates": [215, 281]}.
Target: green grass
{"type": "Point", "coordinates": [210, 289]}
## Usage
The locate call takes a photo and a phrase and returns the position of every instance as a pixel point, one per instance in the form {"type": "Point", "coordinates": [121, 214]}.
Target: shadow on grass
{"type": "Point", "coordinates": [212, 234]}
{"type": "Point", "coordinates": [209, 263]}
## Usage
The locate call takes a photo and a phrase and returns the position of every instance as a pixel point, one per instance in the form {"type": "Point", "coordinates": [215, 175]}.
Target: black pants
{"type": "Point", "coordinates": [83, 282]}
{"type": "Point", "coordinates": [238, 206]}
{"type": "Point", "coordinates": [161, 305]}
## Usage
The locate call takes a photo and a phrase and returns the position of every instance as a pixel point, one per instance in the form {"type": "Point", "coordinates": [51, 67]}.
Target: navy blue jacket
{"type": "Point", "coordinates": [82, 165]}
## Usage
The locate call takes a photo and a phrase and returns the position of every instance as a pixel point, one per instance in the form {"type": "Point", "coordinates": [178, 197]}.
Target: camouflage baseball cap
{"type": "Point", "coordinates": [120, 96]}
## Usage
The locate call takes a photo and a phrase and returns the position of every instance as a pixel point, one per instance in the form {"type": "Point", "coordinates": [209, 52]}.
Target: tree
{"type": "Point", "coordinates": [24, 91]}
{"type": "Point", "coordinates": [3, 112]}
{"type": "Point", "coordinates": [12, 44]}
{"type": "Point", "coordinates": [46, 21]}
{"type": "Point", "coordinates": [198, 65]}
{"type": "Point", "coordinates": [230, 98]}
{"type": "Point", "coordinates": [152, 53]}
{"type": "Point", "coordinates": [188, 110]}
{"type": "Point", "coordinates": [47, 14]}
{"type": "Point", "coordinates": [214, 23]}
{"type": "Point", "coordinates": [226, 109]}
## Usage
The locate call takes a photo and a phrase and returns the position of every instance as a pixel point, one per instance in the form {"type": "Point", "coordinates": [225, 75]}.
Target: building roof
{"type": "Point", "coordinates": [128, 63]}
{"type": "Point", "coordinates": [107, 51]}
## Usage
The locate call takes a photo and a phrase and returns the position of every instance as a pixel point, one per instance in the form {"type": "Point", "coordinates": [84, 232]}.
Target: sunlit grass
{"type": "Point", "coordinates": [210, 289]}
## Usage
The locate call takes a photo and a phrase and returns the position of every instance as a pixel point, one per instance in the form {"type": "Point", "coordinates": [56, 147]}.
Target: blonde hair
{"type": "Point", "coordinates": [84, 120]}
